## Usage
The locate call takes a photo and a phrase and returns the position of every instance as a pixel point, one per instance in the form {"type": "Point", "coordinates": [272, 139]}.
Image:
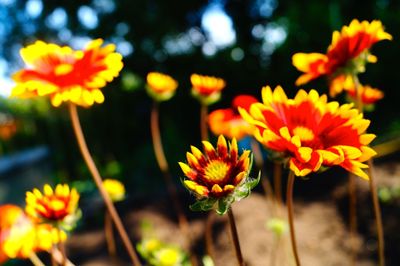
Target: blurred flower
{"type": "Point", "coordinates": [206, 89]}
{"type": "Point", "coordinates": [160, 87]}
{"type": "Point", "coordinates": [310, 132]}
{"type": "Point", "coordinates": [8, 126]}
{"type": "Point", "coordinates": [368, 94]}
{"type": "Point", "coordinates": [347, 54]}
{"type": "Point", "coordinates": [115, 189]}
{"type": "Point", "coordinates": [66, 75]}
{"type": "Point", "coordinates": [157, 253]}
{"type": "Point", "coordinates": [16, 233]}
{"type": "Point", "coordinates": [20, 236]}
{"type": "Point", "coordinates": [219, 175]}
{"type": "Point", "coordinates": [52, 206]}
{"type": "Point", "coordinates": [277, 226]}
{"type": "Point", "coordinates": [229, 122]}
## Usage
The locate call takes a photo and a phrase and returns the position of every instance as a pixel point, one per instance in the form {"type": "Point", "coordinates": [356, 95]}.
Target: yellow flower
{"type": "Point", "coordinates": [347, 54]}
{"type": "Point", "coordinates": [206, 89]}
{"type": "Point", "coordinates": [67, 75]}
{"type": "Point", "coordinates": [115, 189]}
{"type": "Point", "coordinates": [52, 205]}
{"type": "Point", "coordinates": [168, 256]}
{"type": "Point", "coordinates": [20, 236]}
{"type": "Point", "coordinates": [160, 87]}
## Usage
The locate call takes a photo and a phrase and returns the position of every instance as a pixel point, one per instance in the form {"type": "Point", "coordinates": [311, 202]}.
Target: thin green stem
{"type": "Point", "coordinates": [99, 183]}
{"type": "Point", "coordinates": [289, 202]}
{"type": "Point", "coordinates": [235, 238]}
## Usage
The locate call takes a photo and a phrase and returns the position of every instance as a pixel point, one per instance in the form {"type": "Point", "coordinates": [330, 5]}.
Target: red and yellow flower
{"type": "Point", "coordinates": [67, 75]}
{"type": "Point", "coordinates": [20, 236]}
{"type": "Point", "coordinates": [207, 89]}
{"type": "Point", "coordinates": [311, 132]}
{"type": "Point", "coordinates": [52, 205]}
{"type": "Point", "coordinates": [161, 87]}
{"type": "Point", "coordinates": [229, 122]}
{"type": "Point", "coordinates": [218, 172]}
{"type": "Point", "coordinates": [368, 94]}
{"type": "Point", "coordinates": [347, 54]}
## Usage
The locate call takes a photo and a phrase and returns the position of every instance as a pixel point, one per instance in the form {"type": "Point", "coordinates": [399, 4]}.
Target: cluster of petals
{"type": "Point", "coordinates": [217, 172]}
{"type": "Point", "coordinates": [52, 205]}
{"type": "Point", "coordinates": [20, 236]}
{"type": "Point", "coordinates": [368, 94]}
{"type": "Point", "coordinates": [67, 75]}
{"type": "Point", "coordinates": [207, 89]}
{"type": "Point", "coordinates": [115, 189]}
{"type": "Point", "coordinates": [161, 87]}
{"type": "Point", "coordinates": [311, 132]}
{"type": "Point", "coordinates": [229, 122]}
{"type": "Point", "coordinates": [348, 53]}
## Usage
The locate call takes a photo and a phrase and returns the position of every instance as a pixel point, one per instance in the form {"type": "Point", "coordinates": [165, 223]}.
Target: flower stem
{"type": "Point", "coordinates": [375, 201]}
{"type": "Point", "coordinates": [258, 159]}
{"type": "Point", "coordinates": [278, 181]}
{"type": "Point", "coordinates": [108, 230]}
{"type": "Point", "coordinates": [203, 122]}
{"type": "Point", "coordinates": [98, 180]}
{"type": "Point", "coordinates": [61, 246]}
{"type": "Point", "coordinates": [377, 211]}
{"type": "Point", "coordinates": [353, 217]}
{"type": "Point", "coordinates": [235, 238]}
{"type": "Point", "coordinates": [289, 202]}
{"type": "Point", "coordinates": [35, 260]}
{"type": "Point", "coordinates": [52, 255]}
{"type": "Point", "coordinates": [163, 164]}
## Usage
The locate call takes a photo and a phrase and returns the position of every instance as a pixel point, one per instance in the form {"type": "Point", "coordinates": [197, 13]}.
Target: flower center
{"type": "Point", "coordinates": [57, 205]}
{"type": "Point", "coordinates": [304, 133]}
{"type": "Point", "coordinates": [216, 171]}
{"type": "Point", "coordinates": [63, 69]}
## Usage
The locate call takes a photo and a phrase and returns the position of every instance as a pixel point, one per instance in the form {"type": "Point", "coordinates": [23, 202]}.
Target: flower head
{"type": "Point", "coordinates": [206, 89]}
{"type": "Point", "coordinates": [229, 122]}
{"type": "Point", "coordinates": [347, 54]}
{"type": "Point", "coordinates": [16, 233]}
{"type": "Point", "coordinates": [160, 87]}
{"type": "Point", "coordinates": [67, 75]}
{"type": "Point", "coordinates": [20, 236]}
{"type": "Point", "coordinates": [368, 94]}
{"type": "Point", "coordinates": [310, 132]}
{"type": "Point", "coordinates": [115, 189]}
{"type": "Point", "coordinates": [219, 174]}
{"type": "Point", "coordinates": [158, 253]}
{"type": "Point", "coordinates": [52, 206]}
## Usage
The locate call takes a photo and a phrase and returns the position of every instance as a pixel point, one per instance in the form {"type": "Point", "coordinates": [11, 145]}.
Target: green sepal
{"type": "Point", "coordinates": [205, 204]}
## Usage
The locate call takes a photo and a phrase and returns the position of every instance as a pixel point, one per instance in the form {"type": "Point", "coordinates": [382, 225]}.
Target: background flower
{"type": "Point", "coordinates": [52, 205]}
{"type": "Point", "coordinates": [206, 89]}
{"type": "Point", "coordinates": [160, 87]}
{"type": "Point", "coordinates": [115, 189]}
{"type": "Point", "coordinates": [229, 122]}
{"type": "Point", "coordinates": [66, 75]}
{"type": "Point", "coordinates": [347, 54]}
